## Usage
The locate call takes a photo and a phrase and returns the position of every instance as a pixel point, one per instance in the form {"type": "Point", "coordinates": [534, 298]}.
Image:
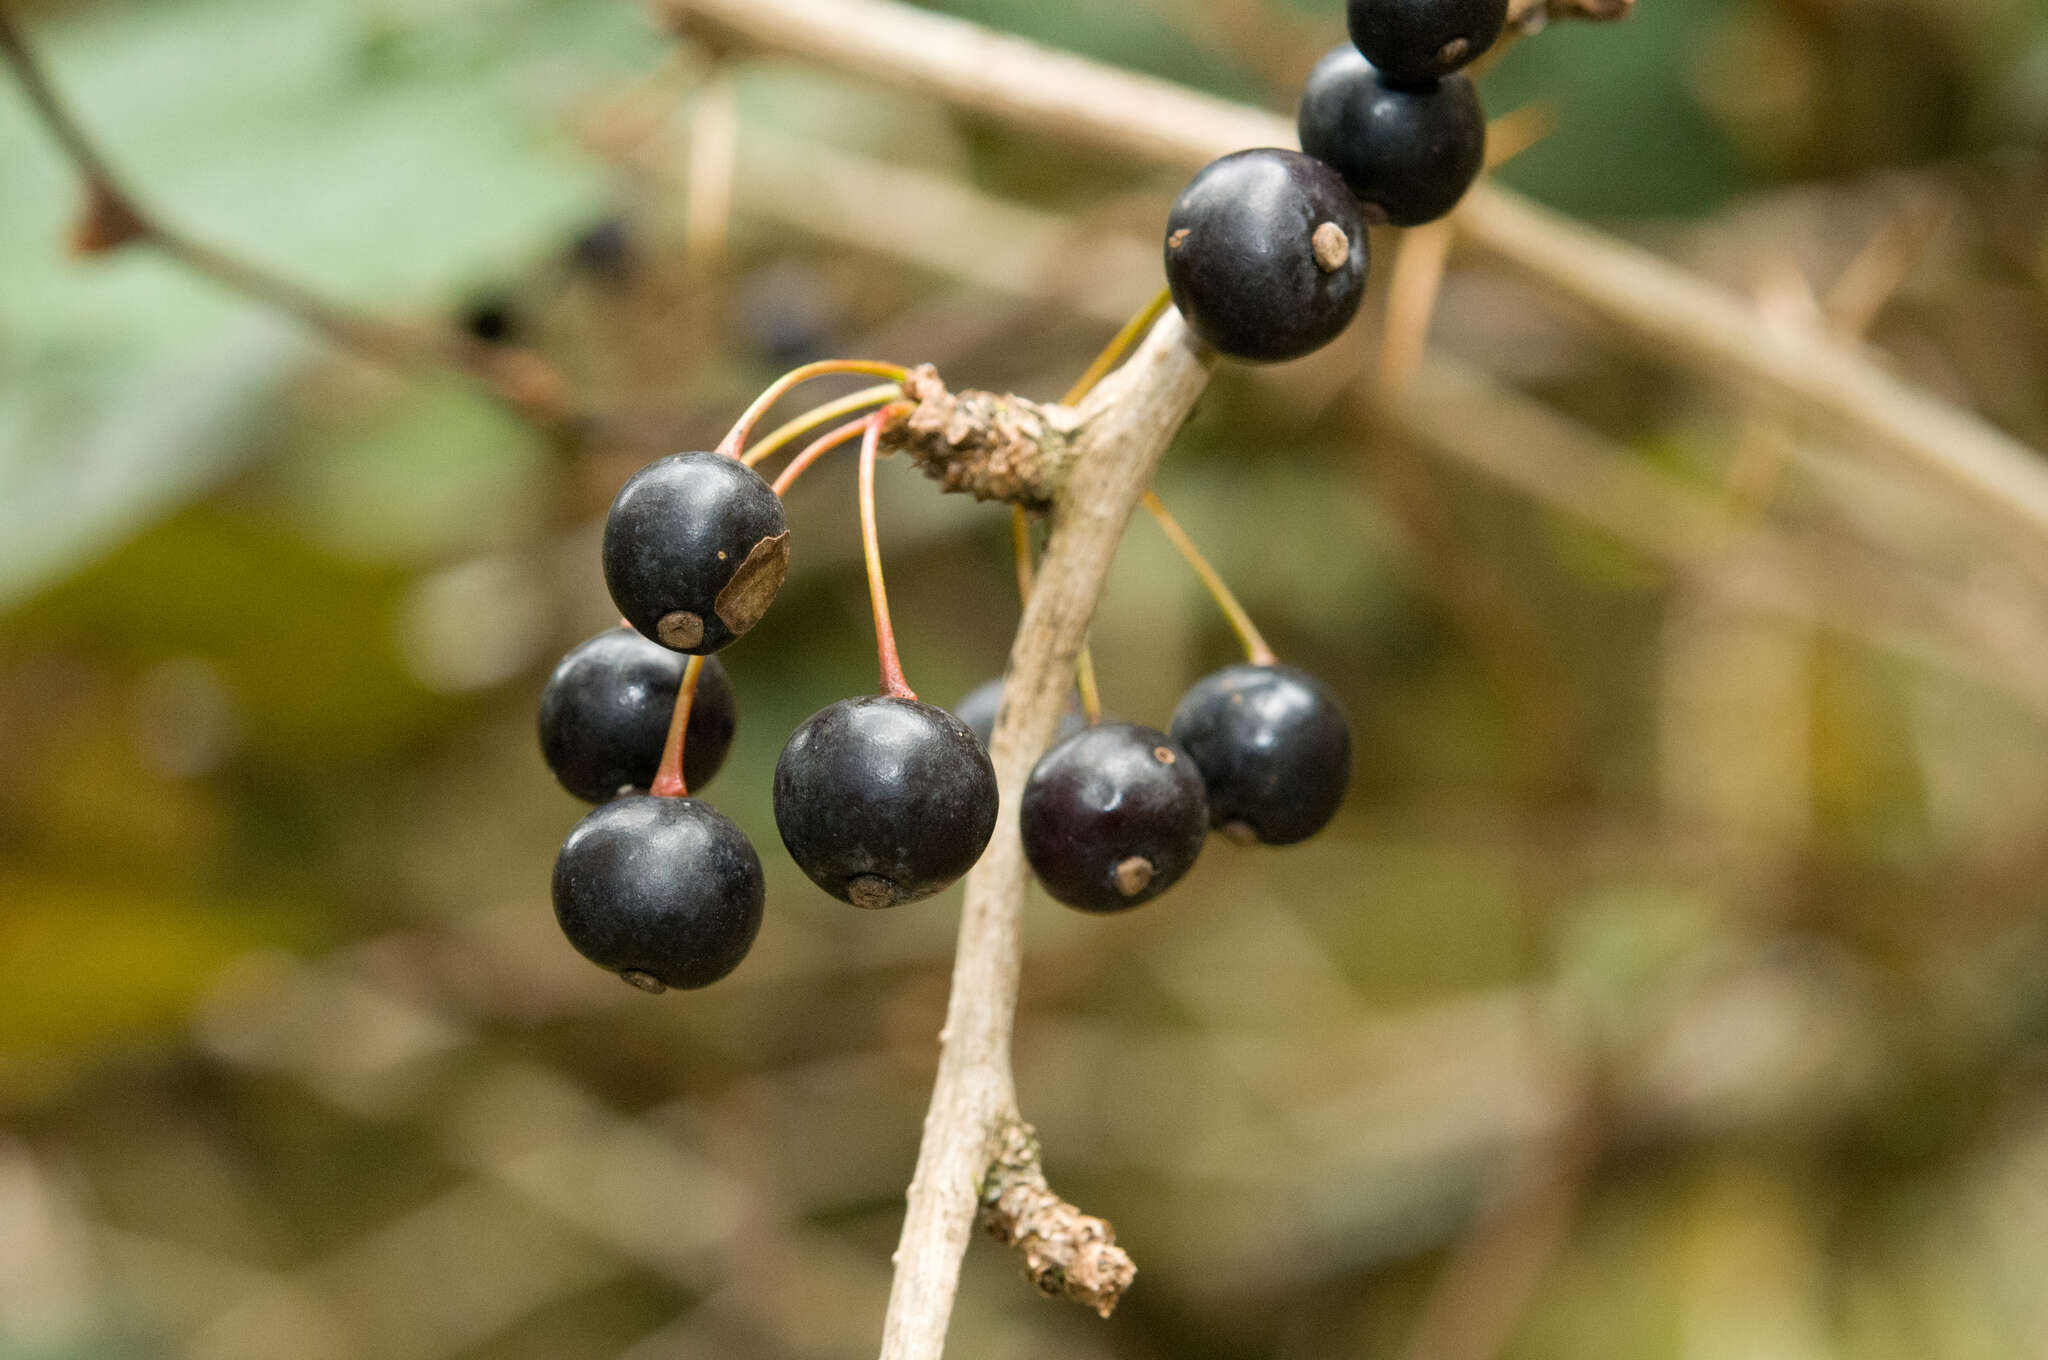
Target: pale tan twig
{"type": "Point", "coordinates": [714, 167]}
{"type": "Point", "coordinates": [1807, 375]}
{"type": "Point", "coordinates": [1127, 423]}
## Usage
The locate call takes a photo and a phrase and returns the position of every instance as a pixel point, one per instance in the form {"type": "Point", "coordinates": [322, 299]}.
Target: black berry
{"type": "Point", "coordinates": [1113, 817]}
{"type": "Point", "coordinates": [883, 801]}
{"type": "Point", "coordinates": [1408, 150]}
{"type": "Point", "coordinates": [1266, 254]}
{"type": "Point", "coordinates": [1424, 39]}
{"type": "Point", "coordinates": [978, 710]}
{"type": "Point", "coordinates": [604, 716]}
{"type": "Point", "coordinates": [1274, 748]}
{"type": "Point", "coordinates": [665, 892]}
{"type": "Point", "coordinates": [695, 549]}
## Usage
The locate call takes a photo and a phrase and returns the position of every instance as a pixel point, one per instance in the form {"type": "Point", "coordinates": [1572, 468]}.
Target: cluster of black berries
{"type": "Point", "coordinates": [880, 800]}
{"type": "Point", "coordinates": [1115, 813]}
{"type": "Point", "coordinates": [1266, 250]}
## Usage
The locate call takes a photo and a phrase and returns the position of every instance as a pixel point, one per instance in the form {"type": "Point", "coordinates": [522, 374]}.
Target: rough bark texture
{"type": "Point", "coordinates": [993, 448]}
{"type": "Point", "coordinates": [1066, 1252]}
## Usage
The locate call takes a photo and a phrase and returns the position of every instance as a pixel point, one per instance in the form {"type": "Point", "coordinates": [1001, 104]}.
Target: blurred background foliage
{"type": "Point", "coordinates": [1675, 983]}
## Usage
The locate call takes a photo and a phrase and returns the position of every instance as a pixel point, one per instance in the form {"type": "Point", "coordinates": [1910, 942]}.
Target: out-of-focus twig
{"type": "Point", "coordinates": [1066, 1252]}
{"type": "Point", "coordinates": [1808, 375]}
{"type": "Point", "coordinates": [1529, 15]}
{"type": "Point", "coordinates": [1465, 416]}
{"type": "Point", "coordinates": [1848, 311]}
{"type": "Point", "coordinates": [714, 167]}
{"type": "Point", "coordinates": [1486, 1284]}
{"type": "Point", "coordinates": [114, 217]}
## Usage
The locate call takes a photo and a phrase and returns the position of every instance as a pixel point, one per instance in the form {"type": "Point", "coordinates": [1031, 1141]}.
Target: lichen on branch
{"type": "Point", "coordinates": [993, 448]}
{"type": "Point", "coordinates": [1066, 1252]}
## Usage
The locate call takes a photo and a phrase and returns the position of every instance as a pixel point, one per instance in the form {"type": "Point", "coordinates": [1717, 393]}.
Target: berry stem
{"type": "Point", "coordinates": [735, 443]}
{"type": "Point", "coordinates": [1084, 681]}
{"type": "Point", "coordinates": [764, 449]}
{"type": "Point", "coordinates": [668, 779]}
{"type": "Point", "coordinates": [1117, 348]}
{"type": "Point", "coordinates": [818, 449]}
{"type": "Point", "coordinates": [1255, 647]}
{"type": "Point", "coordinates": [893, 682]}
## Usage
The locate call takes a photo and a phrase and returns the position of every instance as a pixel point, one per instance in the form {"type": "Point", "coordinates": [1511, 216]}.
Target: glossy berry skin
{"type": "Point", "coordinates": [1274, 748]}
{"type": "Point", "coordinates": [604, 716]}
{"type": "Point", "coordinates": [695, 549]}
{"type": "Point", "coordinates": [979, 709]}
{"type": "Point", "coordinates": [1266, 254]}
{"type": "Point", "coordinates": [665, 892]}
{"type": "Point", "coordinates": [1113, 817]}
{"type": "Point", "coordinates": [883, 801]}
{"type": "Point", "coordinates": [1409, 151]}
{"type": "Point", "coordinates": [1425, 39]}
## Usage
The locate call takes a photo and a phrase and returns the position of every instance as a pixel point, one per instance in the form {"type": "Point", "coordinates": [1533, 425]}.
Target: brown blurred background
{"type": "Point", "coordinates": [1675, 983]}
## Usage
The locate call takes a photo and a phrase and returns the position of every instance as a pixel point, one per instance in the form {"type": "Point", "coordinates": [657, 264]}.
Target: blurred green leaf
{"type": "Point", "coordinates": [384, 154]}
{"type": "Point", "coordinates": [95, 963]}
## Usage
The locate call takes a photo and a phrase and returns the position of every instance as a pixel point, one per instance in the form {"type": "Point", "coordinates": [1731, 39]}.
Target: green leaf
{"type": "Point", "coordinates": [391, 156]}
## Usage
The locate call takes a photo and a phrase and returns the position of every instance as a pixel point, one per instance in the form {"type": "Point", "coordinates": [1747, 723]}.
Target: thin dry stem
{"type": "Point", "coordinates": [1124, 429]}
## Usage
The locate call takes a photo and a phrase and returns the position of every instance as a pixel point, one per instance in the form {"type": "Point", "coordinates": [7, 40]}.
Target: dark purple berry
{"type": "Point", "coordinates": [883, 801]}
{"type": "Point", "coordinates": [1266, 254]}
{"type": "Point", "coordinates": [1409, 151]}
{"type": "Point", "coordinates": [1274, 748]}
{"type": "Point", "coordinates": [1113, 817]}
{"type": "Point", "coordinates": [604, 716]}
{"type": "Point", "coordinates": [665, 892]}
{"type": "Point", "coordinates": [695, 549]}
{"type": "Point", "coordinates": [1425, 39]}
{"type": "Point", "coordinates": [978, 710]}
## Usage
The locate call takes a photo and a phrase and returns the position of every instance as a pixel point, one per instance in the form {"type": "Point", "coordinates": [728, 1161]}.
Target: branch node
{"type": "Point", "coordinates": [1066, 1252]}
{"type": "Point", "coordinates": [994, 448]}
{"type": "Point", "coordinates": [107, 221]}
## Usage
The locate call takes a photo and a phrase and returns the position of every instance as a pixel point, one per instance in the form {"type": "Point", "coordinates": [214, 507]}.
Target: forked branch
{"type": "Point", "coordinates": [1805, 374]}
{"type": "Point", "coordinates": [1121, 431]}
